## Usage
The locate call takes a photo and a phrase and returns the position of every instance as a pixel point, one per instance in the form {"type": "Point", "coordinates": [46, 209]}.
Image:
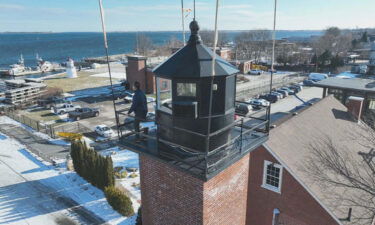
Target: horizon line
{"type": "Point", "coordinates": [225, 30]}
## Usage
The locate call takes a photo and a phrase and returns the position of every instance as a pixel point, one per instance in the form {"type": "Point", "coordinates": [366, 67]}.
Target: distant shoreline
{"type": "Point", "coordinates": [167, 31]}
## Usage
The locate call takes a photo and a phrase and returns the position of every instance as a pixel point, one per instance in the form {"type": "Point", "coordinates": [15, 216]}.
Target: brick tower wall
{"type": "Point", "coordinates": [171, 197]}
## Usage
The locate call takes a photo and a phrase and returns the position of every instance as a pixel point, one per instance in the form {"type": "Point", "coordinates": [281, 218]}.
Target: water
{"type": "Point", "coordinates": [56, 47]}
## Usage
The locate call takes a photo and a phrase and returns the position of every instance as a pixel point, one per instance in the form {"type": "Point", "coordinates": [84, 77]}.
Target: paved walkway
{"type": "Point", "coordinates": [37, 145]}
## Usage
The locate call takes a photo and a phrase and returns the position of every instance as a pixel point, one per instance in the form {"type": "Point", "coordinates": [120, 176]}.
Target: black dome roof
{"type": "Point", "coordinates": [194, 60]}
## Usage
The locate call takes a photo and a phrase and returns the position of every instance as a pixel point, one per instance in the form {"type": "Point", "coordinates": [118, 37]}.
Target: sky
{"type": "Point", "coordinates": [165, 15]}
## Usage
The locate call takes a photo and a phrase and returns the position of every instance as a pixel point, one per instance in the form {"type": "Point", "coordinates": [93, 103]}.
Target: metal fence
{"type": "Point", "coordinates": [255, 87]}
{"type": "Point", "coordinates": [49, 129]}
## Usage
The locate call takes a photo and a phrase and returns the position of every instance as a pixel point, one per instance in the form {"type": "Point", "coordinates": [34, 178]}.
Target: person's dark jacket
{"type": "Point", "coordinates": [139, 104]}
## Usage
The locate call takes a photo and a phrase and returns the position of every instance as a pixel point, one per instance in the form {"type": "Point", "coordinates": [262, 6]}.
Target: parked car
{"type": "Point", "coordinates": [52, 102]}
{"type": "Point", "coordinates": [129, 96]}
{"type": "Point", "coordinates": [290, 92]}
{"type": "Point", "coordinates": [283, 92]}
{"type": "Point", "coordinates": [119, 95]}
{"type": "Point", "coordinates": [82, 113]}
{"type": "Point", "coordinates": [295, 89]}
{"type": "Point", "coordinates": [270, 97]}
{"type": "Point", "coordinates": [242, 109]}
{"type": "Point", "coordinates": [318, 76]}
{"type": "Point", "coordinates": [66, 108]}
{"type": "Point", "coordinates": [104, 131]}
{"type": "Point", "coordinates": [308, 82]}
{"type": "Point", "coordinates": [255, 72]}
{"type": "Point", "coordinates": [259, 102]}
{"type": "Point", "coordinates": [128, 122]}
{"type": "Point", "coordinates": [279, 95]}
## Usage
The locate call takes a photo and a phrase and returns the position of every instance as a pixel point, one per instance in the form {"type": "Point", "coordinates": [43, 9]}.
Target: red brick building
{"type": "Point", "coordinates": [247, 192]}
{"type": "Point", "coordinates": [137, 70]}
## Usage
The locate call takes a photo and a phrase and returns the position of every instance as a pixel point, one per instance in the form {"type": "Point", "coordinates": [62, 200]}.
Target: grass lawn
{"type": "Point", "coordinates": [83, 81]}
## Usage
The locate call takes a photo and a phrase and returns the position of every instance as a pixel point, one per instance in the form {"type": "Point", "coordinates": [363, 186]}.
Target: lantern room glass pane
{"type": "Point", "coordinates": [164, 95]}
{"type": "Point", "coordinates": [187, 89]}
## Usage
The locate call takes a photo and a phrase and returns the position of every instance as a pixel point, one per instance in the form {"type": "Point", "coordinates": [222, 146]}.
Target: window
{"type": "Point", "coordinates": [272, 176]}
{"type": "Point", "coordinates": [164, 95]}
{"type": "Point", "coordinates": [186, 89]}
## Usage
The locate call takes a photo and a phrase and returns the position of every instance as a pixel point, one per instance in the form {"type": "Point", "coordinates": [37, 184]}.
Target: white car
{"type": "Point", "coordinates": [104, 131]}
{"type": "Point", "coordinates": [259, 102]}
{"type": "Point", "coordinates": [129, 96]}
{"type": "Point", "coordinates": [255, 72]}
{"type": "Point", "coordinates": [66, 108]}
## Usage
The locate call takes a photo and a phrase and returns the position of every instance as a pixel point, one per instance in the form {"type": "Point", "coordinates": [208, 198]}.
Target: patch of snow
{"type": "Point", "coordinates": [113, 74]}
{"type": "Point", "coordinates": [60, 181]}
{"type": "Point", "coordinates": [93, 92]}
{"type": "Point", "coordinates": [125, 158]}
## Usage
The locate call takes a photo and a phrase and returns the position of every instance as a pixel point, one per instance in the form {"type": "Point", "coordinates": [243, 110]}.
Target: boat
{"type": "Point", "coordinates": [19, 69]}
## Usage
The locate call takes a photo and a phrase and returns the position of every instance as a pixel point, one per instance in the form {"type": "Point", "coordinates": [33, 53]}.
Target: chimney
{"type": "Point", "coordinates": [136, 71]}
{"type": "Point", "coordinates": [355, 105]}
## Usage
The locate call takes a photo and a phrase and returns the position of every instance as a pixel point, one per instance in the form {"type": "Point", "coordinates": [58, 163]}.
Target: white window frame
{"type": "Point", "coordinates": [270, 187]}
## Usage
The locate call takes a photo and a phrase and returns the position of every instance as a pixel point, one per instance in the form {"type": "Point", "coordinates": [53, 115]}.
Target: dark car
{"type": "Point", "coordinates": [295, 89]}
{"type": "Point", "coordinates": [298, 86]}
{"type": "Point", "coordinates": [242, 109]}
{"type": "Point", "coordinates": [290, 91]}
{"type": "Point", "coordinates": [119, 95]}
{"type": "Point", "coordinates": [308, 82]}
{"type": "Point", "coordinates": [83, 113]}
{"type": "Point", "coordinates": [270, 97]}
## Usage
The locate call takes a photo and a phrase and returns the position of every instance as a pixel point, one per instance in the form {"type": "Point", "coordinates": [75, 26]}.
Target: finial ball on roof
{"type": "Point", "coordinates": [194, 27]}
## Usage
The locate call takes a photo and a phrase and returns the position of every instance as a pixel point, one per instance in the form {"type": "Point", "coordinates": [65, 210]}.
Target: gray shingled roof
{"type": "Point", "coordinates": [194, 61]}
{"type": "Point", "coordinates": [291, 143]}
{"type": "Point", "coordinates": [365, 85]}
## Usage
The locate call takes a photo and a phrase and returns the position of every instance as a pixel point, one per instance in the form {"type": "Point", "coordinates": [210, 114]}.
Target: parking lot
{"type": "Point", "coordinates": [292, 103]}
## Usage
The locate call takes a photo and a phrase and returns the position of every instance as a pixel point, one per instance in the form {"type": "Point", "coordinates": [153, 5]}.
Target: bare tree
{"type": "Point", "coordinates": [166, 49]}
{"type": "Point", "coordinates": [207, 37]}
{"type": "Point", "coordinates": [346, 175]}
{"type": "Point", "coordinates": [144, 45]}
{"type": "Point", "coordinates": [335, 41]}
{"type": "Point", "coordinates": [253, 44]}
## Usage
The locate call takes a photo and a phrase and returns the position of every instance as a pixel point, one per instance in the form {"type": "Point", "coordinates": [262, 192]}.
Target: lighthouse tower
{"type": "Point", "coordinates": [71, 69]}
{"type": "Point", "coordinates": [194, 167]}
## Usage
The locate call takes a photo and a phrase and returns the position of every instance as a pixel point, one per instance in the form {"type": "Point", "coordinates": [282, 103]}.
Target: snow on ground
{"type": "Point", "coordinates": [7, 120]}
{"type": "Point", "coordinates": [33, 170]}
{"type": "Point", "coordinates": [113, 74]}
{"type": "Point", "coordinates": [125, 158]}
{"type": "Point", "coordinates": [93, 92]}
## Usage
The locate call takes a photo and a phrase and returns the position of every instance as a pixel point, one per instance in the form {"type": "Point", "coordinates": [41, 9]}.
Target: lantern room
{"type": "Point", "coordinates": [183, 96]}
{"type": "Point", "coordinates": [196, 128]}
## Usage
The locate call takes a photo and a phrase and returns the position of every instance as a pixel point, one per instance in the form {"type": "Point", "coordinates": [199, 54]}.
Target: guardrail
{"type": "Point", "coordinates": [246, 133]}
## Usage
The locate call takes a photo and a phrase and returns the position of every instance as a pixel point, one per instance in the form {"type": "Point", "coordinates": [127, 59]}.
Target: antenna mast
{"type": "Point", "coordinates": [109, 68]}
{"type": "Point", "coordinates": [213, 72]}
{"type": "Point", "coordinates": [273, 58]}
{"type": "Point", "coordinates": [183, 21]}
